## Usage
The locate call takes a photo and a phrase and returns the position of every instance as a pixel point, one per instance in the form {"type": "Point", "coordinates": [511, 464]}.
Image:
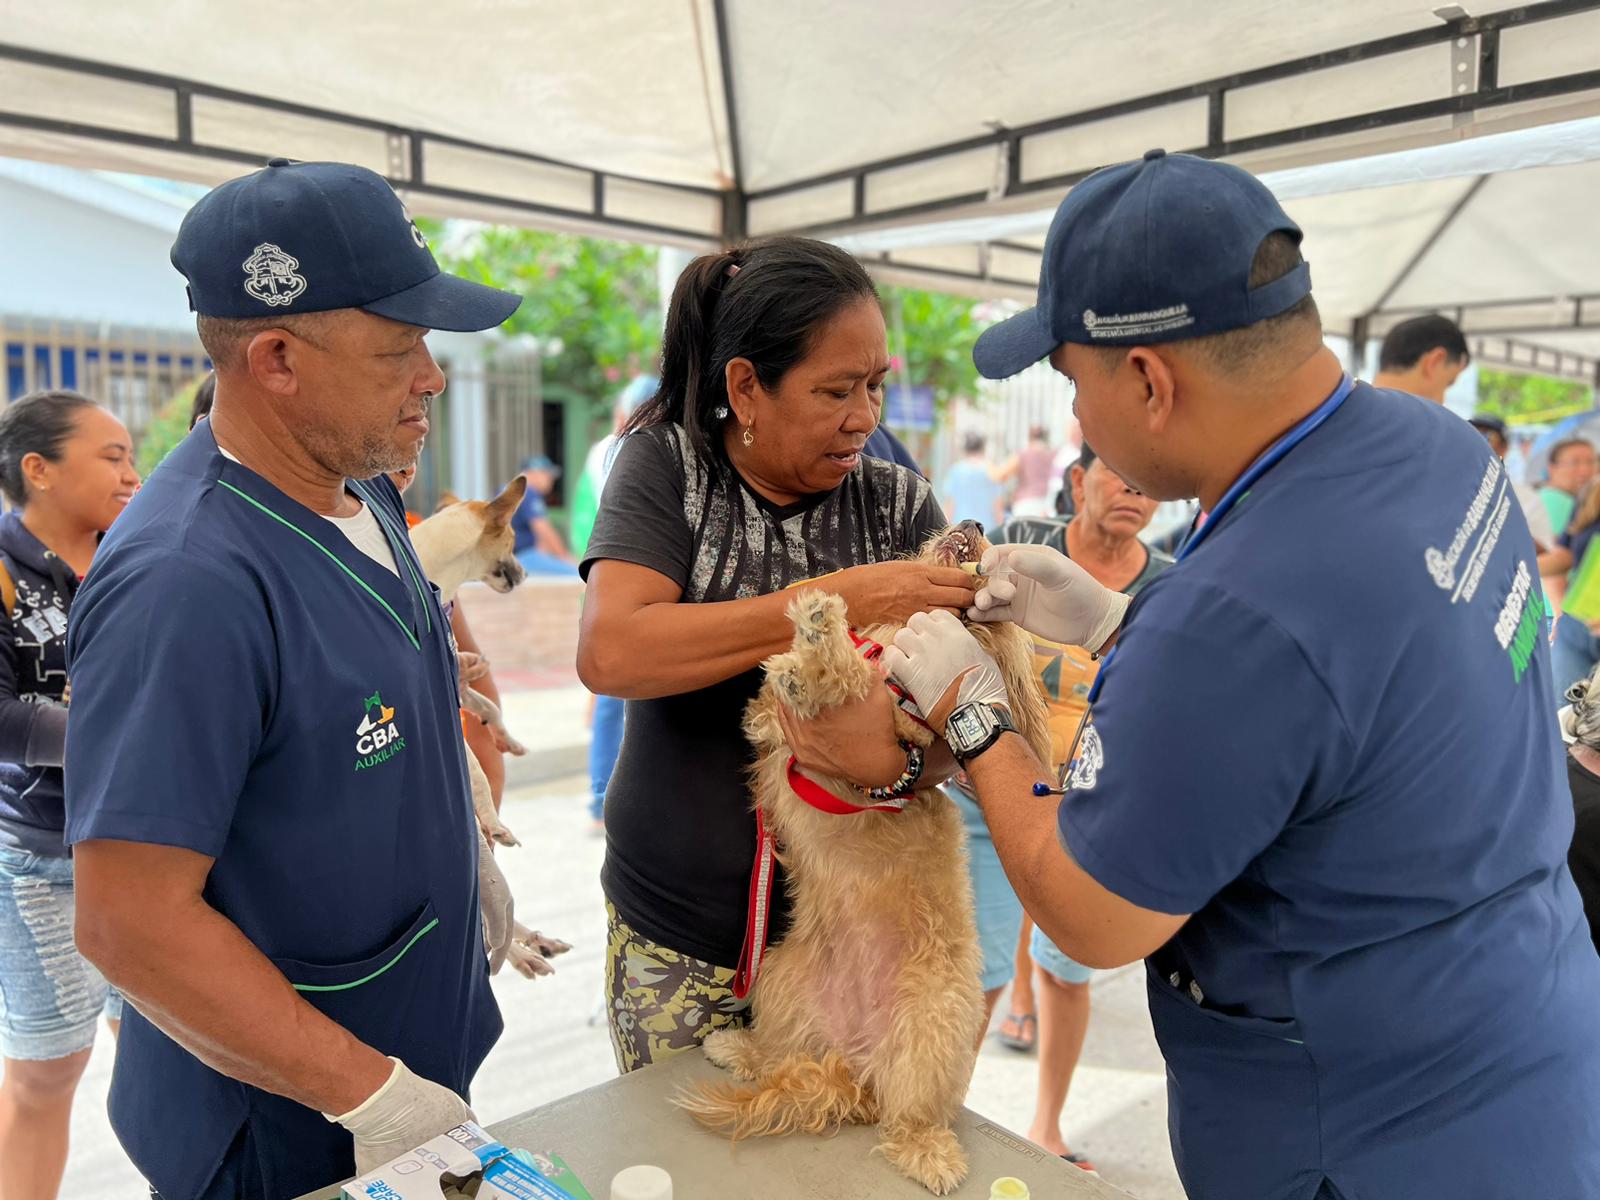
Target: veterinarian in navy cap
{"type": "Point", "coordinates": [276, 853]}
{"type": "Point", "coordinates": [1320, 791]}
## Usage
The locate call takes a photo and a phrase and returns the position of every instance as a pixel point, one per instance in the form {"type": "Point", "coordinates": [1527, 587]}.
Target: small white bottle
{"type": "Point", "coordinates": [641, 1183]}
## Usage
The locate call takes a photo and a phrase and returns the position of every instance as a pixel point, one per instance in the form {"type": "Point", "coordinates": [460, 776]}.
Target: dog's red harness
{"type": "Point", "coordinates": [763, 871]}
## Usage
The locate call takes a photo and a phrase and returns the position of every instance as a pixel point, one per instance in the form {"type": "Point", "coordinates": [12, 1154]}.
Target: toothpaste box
{"type": "Point", "coordinates": [468, 1161]}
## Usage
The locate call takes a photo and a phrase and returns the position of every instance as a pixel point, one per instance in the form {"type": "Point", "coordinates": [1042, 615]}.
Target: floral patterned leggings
{"type": "Point", "coordinates": [661, 1002]}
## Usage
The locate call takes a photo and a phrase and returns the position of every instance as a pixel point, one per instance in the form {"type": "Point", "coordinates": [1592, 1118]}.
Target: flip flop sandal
{"type": "Point", "coordinates": [1081, 1161]}
{"type": "Point", "coordinates": [1028, 1024]}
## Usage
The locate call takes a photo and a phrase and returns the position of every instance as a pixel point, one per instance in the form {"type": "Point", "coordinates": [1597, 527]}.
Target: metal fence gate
{"type": "Point", "coordinates": [133, 372]}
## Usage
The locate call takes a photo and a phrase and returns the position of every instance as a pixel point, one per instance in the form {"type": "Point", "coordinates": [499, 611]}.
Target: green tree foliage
{"type": "Point", "coordinates": [593, 305]}
{"type": "Point", "coordinates": [1519, 399]}
{"type": "Point", "coordinates": [596, 309]}
{"type": "Point", "coordinates": [167, 428]}
{"type": "Point", "coordinates": [930, 341]}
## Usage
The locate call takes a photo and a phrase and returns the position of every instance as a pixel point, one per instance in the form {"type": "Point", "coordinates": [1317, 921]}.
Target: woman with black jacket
{"type": "Point", "coordinates": [66, 465]}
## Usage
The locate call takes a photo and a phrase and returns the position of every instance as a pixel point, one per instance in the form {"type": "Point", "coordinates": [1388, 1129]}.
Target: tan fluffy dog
{"type": "Point", "coordinates": [870, 1009]}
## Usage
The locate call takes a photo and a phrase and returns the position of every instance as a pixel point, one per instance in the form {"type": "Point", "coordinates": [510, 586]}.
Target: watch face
{"type": "Point", "coordinates": [965, 725]}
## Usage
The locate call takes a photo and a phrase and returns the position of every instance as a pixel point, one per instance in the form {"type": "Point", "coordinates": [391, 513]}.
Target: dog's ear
{"type": "Point", "coordinates": [446, 500]}
{"type": "Point", "coordinates": [502, 506]}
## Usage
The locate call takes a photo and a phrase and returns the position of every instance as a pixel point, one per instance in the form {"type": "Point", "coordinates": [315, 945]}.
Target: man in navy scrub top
{"type": "Point", "coordinates": [276, 856]}
{"type": "Point", "coordinates": [1319, 790]}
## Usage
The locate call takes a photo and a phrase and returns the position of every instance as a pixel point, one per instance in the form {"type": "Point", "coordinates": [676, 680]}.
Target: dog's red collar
{"type": "Point", "coordinates": [820, 798]}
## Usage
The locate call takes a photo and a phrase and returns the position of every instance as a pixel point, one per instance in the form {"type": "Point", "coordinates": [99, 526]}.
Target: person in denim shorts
{"type": "Point", "coordinates": [66, 464]}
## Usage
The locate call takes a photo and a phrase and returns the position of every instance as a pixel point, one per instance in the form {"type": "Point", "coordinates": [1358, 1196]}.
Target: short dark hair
{"type": "Point", "coordinates": [764, 301]}
{"type": "Point", "coordinates": [1408, 341]}
{"type": "Point", "coordinates": [37, 423]}
{"type": "Point", "coordinates": [1239, 350]}
{"type": "Point", "coordinates": [225, 338]}
{"type": "Point", "coordinates": [203, 397]}
{"type": "Point", "coordinates": [1568, 444]}
{"type": "Point", "coordinates": [973, 443]}
{"type": "Point", "coordinates": [1086, 456]}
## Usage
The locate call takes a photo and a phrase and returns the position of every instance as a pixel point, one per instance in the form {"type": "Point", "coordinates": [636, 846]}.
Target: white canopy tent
{"type": "Point", "coordinates": [1502, 233]}
{"type": "Point", "coordinates": [1437, 157]}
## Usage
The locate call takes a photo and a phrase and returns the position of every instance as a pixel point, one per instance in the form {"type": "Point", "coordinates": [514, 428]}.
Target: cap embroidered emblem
{"type": "Point", "coordinates": [271, 276]}
{"type": "Point", "coordinates": [417, 237]}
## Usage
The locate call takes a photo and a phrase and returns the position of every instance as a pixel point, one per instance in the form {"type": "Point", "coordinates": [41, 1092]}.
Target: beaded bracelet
{"type": "Point", "coordinates": [907, 781]}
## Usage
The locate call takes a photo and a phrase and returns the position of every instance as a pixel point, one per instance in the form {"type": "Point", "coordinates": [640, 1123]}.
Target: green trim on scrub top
{"type": "Point", "coordinates": [337, 561]}
{"type": "Point", "coordinates": [396, 541]}
{"type": "Point", "coordinates": [345, 987]}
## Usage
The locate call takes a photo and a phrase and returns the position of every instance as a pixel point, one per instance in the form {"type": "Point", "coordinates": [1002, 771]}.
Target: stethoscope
{"type": "Point", "coordinates": [1271, 457]}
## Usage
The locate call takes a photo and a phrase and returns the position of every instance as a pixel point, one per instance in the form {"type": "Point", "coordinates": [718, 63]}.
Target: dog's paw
{"type": "Point", "coordinates": [791, 684]}
{"type": "Point", "coordinates": [733, 1050]}
{"type": "Point", "coordinates": [810, 616]}
{"type": "Point", "coordinates": [932, 1157]}
{"type": "Point", "coordinates": [527, 961]}
{"type": "Point", "coordinates": [504, 742]}
{"type": "Point", "coordinates": [496, 830]}
{"type": "Point", "coordinates": [788, 679]}
{"type": "Point", "coordinates": [815, 615]}
{"type": "Point", "coordinates": [545, 945]}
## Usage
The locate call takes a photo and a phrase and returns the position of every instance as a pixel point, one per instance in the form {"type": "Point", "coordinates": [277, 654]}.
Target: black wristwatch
{"type": "Point", "coordinates": [973, 728]}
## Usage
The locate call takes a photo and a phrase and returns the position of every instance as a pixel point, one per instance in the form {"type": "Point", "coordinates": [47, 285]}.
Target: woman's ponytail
{"type": "Point", "coordinates": [686, 348]}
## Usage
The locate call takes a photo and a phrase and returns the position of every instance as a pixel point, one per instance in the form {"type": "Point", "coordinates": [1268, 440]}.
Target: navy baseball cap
{"type": "Point", "coordinates": [1157, 250]}
{"type": "Point", "coordinates": [1488, 424]}
{"type": "Point", "coordinates": [302, 237]}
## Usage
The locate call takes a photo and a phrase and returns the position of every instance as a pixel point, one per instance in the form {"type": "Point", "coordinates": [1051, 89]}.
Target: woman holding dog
{"type": "Point", "coordinates": [67, 466]}
{"type": "Point", "coordinates": [742, 478]}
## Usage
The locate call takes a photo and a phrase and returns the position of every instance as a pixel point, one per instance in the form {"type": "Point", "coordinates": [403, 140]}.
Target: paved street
{"type": "Point", "coordinates": [1116, 1113]}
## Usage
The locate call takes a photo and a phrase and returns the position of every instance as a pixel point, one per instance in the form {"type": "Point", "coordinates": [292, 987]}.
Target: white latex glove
{"type": "Point", "coordinates": [401, 1115]}
{"type": "Point", "coordinates": [1047, 594]}
{"type": "Point", "coordinates": [496, 905]}
{"type": "Point", "coordinates": [932, 652]}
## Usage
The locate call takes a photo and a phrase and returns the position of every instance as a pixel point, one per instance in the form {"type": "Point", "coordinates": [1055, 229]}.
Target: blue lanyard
{"type": "Point", "coordinates": [1272, 456]}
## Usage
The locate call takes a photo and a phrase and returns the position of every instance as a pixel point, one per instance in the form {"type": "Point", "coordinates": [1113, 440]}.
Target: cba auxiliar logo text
{"type": "Point", "coordinates": [377, 737]}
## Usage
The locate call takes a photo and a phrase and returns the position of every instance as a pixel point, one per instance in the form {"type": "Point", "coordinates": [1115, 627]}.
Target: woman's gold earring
{"type": "Point", "coordinates": [748, 436]}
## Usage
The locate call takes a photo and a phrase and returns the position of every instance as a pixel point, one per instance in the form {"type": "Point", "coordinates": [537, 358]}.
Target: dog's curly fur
{"type": "Point", "coordinates": [870, 1009]}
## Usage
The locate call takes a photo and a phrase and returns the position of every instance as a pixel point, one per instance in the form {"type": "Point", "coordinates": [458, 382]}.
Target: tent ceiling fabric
{"type": "Point", "coordinates": [942, 70]}
{"type": "Point", "coordinates": [1512, 253]}
{"type": "Point", "coordinates": [1516, 239]}
{"type": "Point", "coordinates": [833, 114]}
{"type": "Point", "coordinates": [609, 86]}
